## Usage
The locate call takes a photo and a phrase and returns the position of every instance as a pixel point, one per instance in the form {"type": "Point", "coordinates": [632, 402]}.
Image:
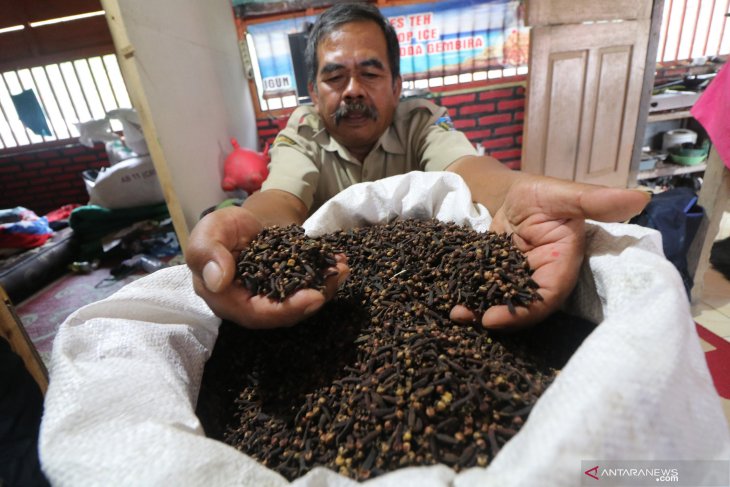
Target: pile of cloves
{"type": "Point", "coordinates": [380, 378]}
{"type": "Point", "coordinates": [281, 261]}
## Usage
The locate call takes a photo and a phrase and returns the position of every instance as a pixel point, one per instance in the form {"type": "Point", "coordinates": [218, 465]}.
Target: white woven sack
{"type": "Point", "coordinates": [126, 371]}
{"type": "Point", "coordinates": [127, 184]}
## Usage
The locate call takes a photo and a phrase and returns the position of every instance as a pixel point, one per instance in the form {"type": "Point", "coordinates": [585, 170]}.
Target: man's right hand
{"type": "Point", "coordinates": [215, 243]}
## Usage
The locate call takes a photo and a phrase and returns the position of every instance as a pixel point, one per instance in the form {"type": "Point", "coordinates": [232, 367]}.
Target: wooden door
{"type": "Point", "coordinates": [586, 77]}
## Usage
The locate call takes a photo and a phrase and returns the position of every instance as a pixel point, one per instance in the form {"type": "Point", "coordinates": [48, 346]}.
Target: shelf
{"type": "Point", "coordinates": [662, 116]}
{"type": "Point", "coordinates": [669, 169]}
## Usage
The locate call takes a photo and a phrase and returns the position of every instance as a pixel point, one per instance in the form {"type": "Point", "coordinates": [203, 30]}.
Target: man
{"type": "Point", "coordinates": [358, 130]}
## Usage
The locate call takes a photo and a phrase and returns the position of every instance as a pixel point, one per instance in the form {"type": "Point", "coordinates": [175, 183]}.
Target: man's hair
{"type": "Point", "coordinates": [344, 13]}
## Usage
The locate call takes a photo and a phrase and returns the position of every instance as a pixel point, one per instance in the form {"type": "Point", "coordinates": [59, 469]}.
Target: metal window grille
{"type": "Point", "coordinates": [279, 102]}
{"type": "Point", "coordinates": [694, 29]}
{"type": "Point", "coordinates": [464, 78]}
{"type": "Point", "coordinates": [690, 29]}
{"type": "Point", "coordinates": [69, 93]}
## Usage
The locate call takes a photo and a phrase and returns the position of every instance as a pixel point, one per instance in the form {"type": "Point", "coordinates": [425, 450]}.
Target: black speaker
{"type": "Point", "coordinates": [297, 46]}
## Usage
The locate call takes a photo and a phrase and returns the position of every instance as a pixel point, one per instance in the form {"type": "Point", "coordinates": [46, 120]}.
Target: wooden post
{"type": "Point", "coordinates": [132, 78]}
{"type": "Point", "coordinates": [11, 328]}
{"type": "Point", "coordinates": [186, 80]}
{"type": "Point", "coordinates": [713, 198]}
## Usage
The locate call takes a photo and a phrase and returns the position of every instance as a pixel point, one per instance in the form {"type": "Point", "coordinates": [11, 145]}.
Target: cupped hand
{"type": "Point", "coordinates": [215, 243]}
{"type": "Point", "coordinates": [546, 218]}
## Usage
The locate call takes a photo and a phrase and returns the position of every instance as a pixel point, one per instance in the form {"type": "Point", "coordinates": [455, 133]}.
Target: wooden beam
{"type": "Point", "coordinates": [646, 91]}
{"type": "Point", "coordinates": [713, 198]}
{"type": "Point", "coordinates": [11, 328]}
{"type": "Point", "coordinates": [135, 88]}
{"type": "Point", "coordinates": [51, 43]}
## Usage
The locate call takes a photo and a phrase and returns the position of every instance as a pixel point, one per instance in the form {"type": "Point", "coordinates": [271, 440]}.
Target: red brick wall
{"type": "Point", "coordinates": [491, 115]}
{"type": "Point", "coordinates": [43, 180]}
{"type": "Point", "coordinates": [267, 128]}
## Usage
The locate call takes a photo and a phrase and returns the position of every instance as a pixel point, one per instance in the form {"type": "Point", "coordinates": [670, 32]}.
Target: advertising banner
{"type": "Point", "coordinates": [436, 39]}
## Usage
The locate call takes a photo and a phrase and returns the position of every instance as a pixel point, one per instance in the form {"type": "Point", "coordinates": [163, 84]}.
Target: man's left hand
{"type": "Point", "coordinates": [546, 218]}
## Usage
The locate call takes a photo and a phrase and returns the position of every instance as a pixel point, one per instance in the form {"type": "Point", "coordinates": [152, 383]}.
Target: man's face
{"type": "Point", "coordinates": [356, 95]}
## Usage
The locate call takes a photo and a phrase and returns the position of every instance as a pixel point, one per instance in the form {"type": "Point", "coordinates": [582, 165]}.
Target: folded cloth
{"type": "Point", "coordinates": [126, 371]}
{"type": "Point", "coordinates": [712, 110]}
{"type": "Point", "coordinates": [23, 229]}
{"type": "Point", "coordinates": [92, 222]}
{"type": "Point", "coordinates": [30, 112]}
{"type": "Point", "coordinates": [61, 213]}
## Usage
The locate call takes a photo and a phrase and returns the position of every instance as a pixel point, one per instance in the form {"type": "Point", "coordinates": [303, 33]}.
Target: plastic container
{"type": "Point", "coordinates": [673, 138]}
{"type": "Point", "coordinates": [688, 156]}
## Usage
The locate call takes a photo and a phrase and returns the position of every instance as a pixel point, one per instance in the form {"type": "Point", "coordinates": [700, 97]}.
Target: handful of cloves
{"type": "Point", "coordinates": [381, 378]}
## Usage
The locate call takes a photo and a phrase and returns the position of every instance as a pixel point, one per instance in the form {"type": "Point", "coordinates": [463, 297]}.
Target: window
{"type": "Point", "coordinates": [68, 92]}
{"type": "Point", "coordinates": [694, 29]}
{"type": "Point", "coordinates": [450, 42]}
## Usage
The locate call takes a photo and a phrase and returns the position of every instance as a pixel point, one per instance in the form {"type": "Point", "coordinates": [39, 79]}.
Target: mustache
{"type": "Point", "coordinates": [355, 107]}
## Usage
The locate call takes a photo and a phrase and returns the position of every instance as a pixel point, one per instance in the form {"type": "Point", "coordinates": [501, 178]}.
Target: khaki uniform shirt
{"type": "Point", "coordinates": [313, 166]}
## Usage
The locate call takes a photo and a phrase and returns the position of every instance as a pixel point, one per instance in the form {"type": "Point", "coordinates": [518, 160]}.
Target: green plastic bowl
{"type": "Point", "coordinates": [688, 157]}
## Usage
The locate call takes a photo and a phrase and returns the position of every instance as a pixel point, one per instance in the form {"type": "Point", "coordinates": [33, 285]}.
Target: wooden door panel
{"type": "Point", "coordinates": [566, 73]}
{"type": "Point", "coordinates": [613, 65]}
{"type": "Point", "coordinates": [554, 12]}
{"type": "Point", "coordinates": [584, 88]}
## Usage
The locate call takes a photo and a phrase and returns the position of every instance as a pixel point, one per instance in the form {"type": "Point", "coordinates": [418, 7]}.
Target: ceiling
{"type": "Point", "coordinates": [53, 43]}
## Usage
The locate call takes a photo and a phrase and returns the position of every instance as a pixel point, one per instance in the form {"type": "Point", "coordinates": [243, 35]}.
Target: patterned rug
{"type": "Point", "coordinates": [717, 353]}
{"type": "Point", "coordinates": [43, 312]}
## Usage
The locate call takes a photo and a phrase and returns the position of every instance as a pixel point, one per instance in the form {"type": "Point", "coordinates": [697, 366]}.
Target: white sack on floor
{"type": "Point", "coordinates": [127, 184]}
{"type": "Point", "coordinates": [125, 371]}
